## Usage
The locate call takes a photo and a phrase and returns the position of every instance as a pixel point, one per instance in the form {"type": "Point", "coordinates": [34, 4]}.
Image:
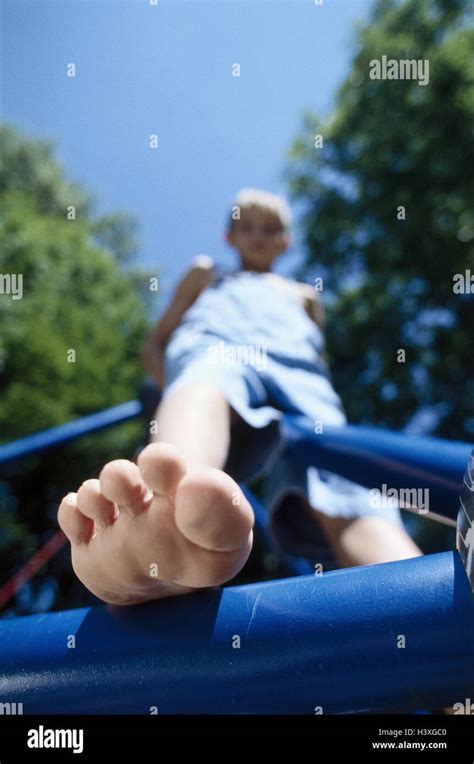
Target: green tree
{"type": "Point", "coordinates": [388, 274]}
{"type": "Point", "coordinates": [69, 346]}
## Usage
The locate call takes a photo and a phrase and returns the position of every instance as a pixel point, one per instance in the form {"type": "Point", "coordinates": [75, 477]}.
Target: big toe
{"type": "Point", "coordinates": [212, 512]}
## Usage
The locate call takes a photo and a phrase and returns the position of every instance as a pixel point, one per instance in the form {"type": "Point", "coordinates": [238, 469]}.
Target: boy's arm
{"type": "Point", "coordinates": [312, 305]}
{"type": "Point", "coordinates": [197, 278]}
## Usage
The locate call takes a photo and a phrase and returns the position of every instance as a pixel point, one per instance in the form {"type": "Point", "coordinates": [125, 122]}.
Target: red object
{"type": "Point", "coordinates": [34, 564]}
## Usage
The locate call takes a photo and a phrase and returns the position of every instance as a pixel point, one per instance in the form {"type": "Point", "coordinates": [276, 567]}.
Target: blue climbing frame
{"type": "Point", "coordinates": [389, 637]}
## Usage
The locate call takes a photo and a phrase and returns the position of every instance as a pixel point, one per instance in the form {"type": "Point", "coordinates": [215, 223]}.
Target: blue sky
{"type": "Point", "coordinates": [167, 70]}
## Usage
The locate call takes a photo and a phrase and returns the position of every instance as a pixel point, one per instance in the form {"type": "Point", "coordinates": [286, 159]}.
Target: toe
{"type": "Point", "coordinates": [95, 505]}
{"type": "Point", "coordinates": [161, 467]}
{"type": "Point", "coordinates": [121, 482]}
{"type": "Point", "coordinates": [212, 511]}
{"type": "Point", "coordinates": [78, 528]}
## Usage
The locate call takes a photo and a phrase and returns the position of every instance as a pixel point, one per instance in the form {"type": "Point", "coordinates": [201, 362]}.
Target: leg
{"type": "Point", "coordinates": [196, 419]}
{"type": "Point", "coordinates": [366, 540]}
{"type": "Point", "coordinates": [170, 525]}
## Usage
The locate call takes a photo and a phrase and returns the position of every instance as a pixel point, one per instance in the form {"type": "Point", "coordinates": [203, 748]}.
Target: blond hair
{"type": "Point", "coordinates": [263, 200]}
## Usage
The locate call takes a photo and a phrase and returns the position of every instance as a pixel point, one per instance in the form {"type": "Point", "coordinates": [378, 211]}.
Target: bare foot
{"type": "Point", "coordinates": [154, 530]}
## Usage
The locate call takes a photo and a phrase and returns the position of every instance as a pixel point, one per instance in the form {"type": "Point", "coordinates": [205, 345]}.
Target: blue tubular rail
{"type": "Point", "coordinates": [63, 433]}
{"type": "Point", "coordinates": [395, 636]}
{"type": "Point", "coordinates": [373, 456]}
{"type": "Point", "coordinates": [367, 455]}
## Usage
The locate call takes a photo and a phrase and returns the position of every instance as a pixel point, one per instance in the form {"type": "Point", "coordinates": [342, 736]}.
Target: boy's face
{"type": "Point", "coordinates": [259, 239]}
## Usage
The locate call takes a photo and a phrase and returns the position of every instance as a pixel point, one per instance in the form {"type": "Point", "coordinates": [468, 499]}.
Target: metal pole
{"type": "Point", "coordinates": [395, 636]}
{"type": "Point", "coordinates": [63, 433]}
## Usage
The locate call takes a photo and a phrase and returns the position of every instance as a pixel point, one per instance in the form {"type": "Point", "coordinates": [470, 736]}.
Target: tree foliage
{"type": "Point", "coordinates": [69, 345]}
{"type": "Point", "coordinates": [388, 281]}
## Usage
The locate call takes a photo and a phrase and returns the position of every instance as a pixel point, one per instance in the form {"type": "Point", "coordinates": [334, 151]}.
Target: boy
{"type": "Point", "coordinates": [230, 354]}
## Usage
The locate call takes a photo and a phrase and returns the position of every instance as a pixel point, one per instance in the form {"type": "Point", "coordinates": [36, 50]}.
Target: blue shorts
{"type": "Point", "coordinates": [261, 395]}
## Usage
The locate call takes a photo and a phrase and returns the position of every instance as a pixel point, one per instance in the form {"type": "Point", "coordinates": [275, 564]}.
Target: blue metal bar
{"type": "Point", "coordinates": [55, 436]}
{"type": "Point", "coordinates": [396, 636]}
{"type": "Point", "coordinates": [368, 455]}
{"type": "Point", "coordinates": [373, 456]}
